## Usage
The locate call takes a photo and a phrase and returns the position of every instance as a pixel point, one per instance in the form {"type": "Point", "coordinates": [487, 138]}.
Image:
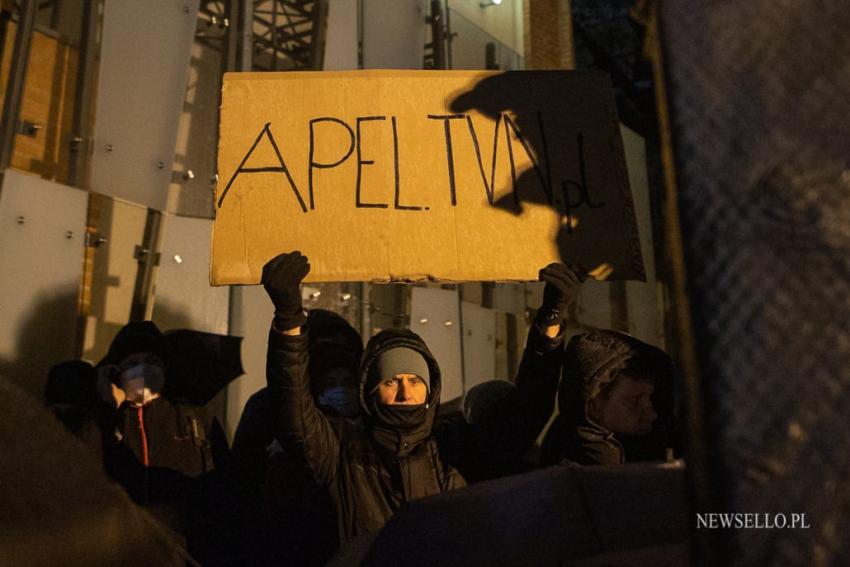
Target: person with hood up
{"type": "Point", "coordinates": [614, 388]}
{"type": "Point", "coordinates": [160, 451]}
{"type": "Point", "coordinates": [370, 468]}
{"type": "Point", "coordinates": [292, 520]}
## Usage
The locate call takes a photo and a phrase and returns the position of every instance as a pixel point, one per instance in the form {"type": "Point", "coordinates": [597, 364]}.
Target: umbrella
{"type": "Point", "coordinates": [199, 365]}
{"type": "Point", "coordinates": [621, 515]}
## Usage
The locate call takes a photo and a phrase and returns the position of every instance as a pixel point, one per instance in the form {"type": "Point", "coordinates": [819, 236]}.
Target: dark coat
{"type": "Point", "coordinates": [497, 442]}
{"type": "Point", "coordinates": [289, 517]}
{"type": "Point", "coordinates": [370, 469]}
{"type": "Point", "coordinates": [591, 361]}
{"type": "Point", "coordinates": [178, 439]}
{"type": "Point", "coordinates": [178, 485]}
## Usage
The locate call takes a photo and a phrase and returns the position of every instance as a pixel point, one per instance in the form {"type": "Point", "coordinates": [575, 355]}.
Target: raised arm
{"type": "Point", "coordinates": [299, 425]}
{"type": "Point", "coordinates": [495, 444]}
{"type": "Point", "coordinates": [540, 369]}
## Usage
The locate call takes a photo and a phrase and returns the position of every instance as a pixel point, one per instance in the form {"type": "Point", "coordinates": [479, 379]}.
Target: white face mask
{"type": "Point", "coordinates": [142, 383]}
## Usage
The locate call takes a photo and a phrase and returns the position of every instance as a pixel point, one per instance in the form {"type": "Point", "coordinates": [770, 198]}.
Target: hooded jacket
{"type": "Point", "coordinates": [592, 361]}
{"type": "Point", "coordinates": [370, 469]}
{"type": "Point", "coordinates": [170, 457]}
{"type": "Point", "coordinates": [290, 518]}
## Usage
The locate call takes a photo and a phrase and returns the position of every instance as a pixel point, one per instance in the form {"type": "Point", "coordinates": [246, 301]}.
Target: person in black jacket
{"type": "Point", "coordinates": [371, 468]}
{"type": "Point", "coordinates": [615, 388]}
{"type": "Point", "coordinates": [163, 453]}
{"type": "Point", "coordinates": [495, 443]}
{"type": "Point", "coordinates": [291, 518]}
{"type": "Point", "coordinates": [394, 456]}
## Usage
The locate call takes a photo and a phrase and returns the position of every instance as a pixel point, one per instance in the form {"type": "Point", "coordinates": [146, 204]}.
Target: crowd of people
{"type": "Point", "coordinates": [344, 436]}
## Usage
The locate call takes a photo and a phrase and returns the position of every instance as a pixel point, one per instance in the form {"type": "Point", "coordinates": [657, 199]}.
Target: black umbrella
{"type": "Point", "coordinates": [200, 365]}
{"type": "Point", "coordinates": [620, 515]}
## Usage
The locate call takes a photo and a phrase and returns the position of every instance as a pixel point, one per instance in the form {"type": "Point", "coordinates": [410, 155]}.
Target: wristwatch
{"type": "Point", "coordinates": [551, 318]}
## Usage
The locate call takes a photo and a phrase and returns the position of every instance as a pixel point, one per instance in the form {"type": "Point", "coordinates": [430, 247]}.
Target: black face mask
{"type": "Point", "coordinates": [400, 417]}
{"type": "Point", "coordinates": [398, 429]}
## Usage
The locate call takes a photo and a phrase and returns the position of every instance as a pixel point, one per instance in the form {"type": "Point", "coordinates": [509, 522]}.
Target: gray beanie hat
{"type": "Point", "coordinates": [398, 360]}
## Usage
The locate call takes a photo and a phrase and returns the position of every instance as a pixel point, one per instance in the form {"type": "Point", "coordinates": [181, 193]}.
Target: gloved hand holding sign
{"type": "Point", "coordinates": [562, 283]}
{"type": "Point", "coordinates": [281, 278]}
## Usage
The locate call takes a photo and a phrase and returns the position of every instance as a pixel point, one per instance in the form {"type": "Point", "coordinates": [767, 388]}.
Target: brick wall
{"type": "Point", "coordinates": [548, 34]}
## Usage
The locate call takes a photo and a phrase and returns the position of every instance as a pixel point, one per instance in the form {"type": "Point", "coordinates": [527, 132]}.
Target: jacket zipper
{"type": "Point", "coordinates": [140, 412]}
{"type": "Point", "coordinates": [404, 469]}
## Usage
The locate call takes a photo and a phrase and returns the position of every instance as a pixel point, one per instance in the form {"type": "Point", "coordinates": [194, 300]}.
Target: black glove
{"type": "Point", "coordinates": [281, 278]}
{"type": "Point", "coordinates": [561, 289]}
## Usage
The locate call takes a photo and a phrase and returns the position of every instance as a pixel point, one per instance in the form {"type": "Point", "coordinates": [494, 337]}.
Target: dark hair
{"type": "Point", "coordinates": [324, 326]}
{"type": "Point", "coordinates": [332, 343]}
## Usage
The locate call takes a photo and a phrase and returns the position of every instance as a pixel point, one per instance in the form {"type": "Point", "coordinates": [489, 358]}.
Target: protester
{"type": "Point", "coordinates": [482, 439]}
{"type": "Point", "coordinates": [290, 515]}
{"type": "Point", "coordinates": [502, 423]}
{"type": "Point", "coordinates": [612, 392]}
{"type": "Point", "coordinates": [163, 453]}
{"type": "Point", "coordinates": [395, 455]}
{"type": "Point", "coordinates": [334, 349]}
{"type": "Point", "coordinates": [371, 468]}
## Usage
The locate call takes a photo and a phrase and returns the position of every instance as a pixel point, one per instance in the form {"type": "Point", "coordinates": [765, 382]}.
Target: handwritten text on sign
{"type": "Point", "coordinates": [461, 176]}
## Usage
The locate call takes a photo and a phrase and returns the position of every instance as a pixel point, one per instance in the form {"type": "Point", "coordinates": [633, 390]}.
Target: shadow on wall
{"type": "Point", "coordinates": [168, 316]}
{"type": "Point", "coordinates": [165, 316]}
{"type": "Point", "coordinates": [44, 337]}
{"type": "Point", "coordinates": [562, 148]}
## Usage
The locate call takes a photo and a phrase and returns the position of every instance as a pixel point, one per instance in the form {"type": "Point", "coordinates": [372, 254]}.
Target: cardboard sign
{"type": "Point", "coordinates": [410, 175]}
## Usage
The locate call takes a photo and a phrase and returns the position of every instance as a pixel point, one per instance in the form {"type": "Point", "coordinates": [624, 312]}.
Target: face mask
{"type": "Point", "coordinates": [341, 399]}
{"type": "Point", "coordinates": [142, 383]}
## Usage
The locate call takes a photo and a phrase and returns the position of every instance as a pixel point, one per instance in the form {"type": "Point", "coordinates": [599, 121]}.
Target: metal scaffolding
{"type": "Point", "coordinates": [285, 35]}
